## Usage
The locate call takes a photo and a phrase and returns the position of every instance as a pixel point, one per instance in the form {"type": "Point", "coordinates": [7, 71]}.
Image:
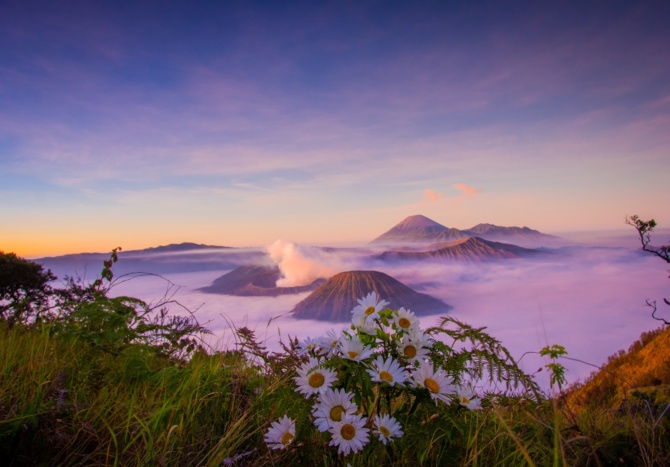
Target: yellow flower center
{"type": "Point", "coordinates": [352, 354]}
{"type": "Point", "coordinates": [370, 310]}
{"type": "Point", "coordinates": [286, 438]}
{"type": "Point", "coordinates": [432, 385]}
{"type": "Point", "coordinates": [404, 323]}
{"type": "Point", "coordinates": [410, 351]}
{"type": "Point", "coordinates": [316, 380]}
{"type": "Point", "coordinates": [336, 413]}
{"type": "Point", "coordinates": [465, 400]}
{"type": "Point", "coordinates": [386, 376]}
{"type": "Point", "coordinates": [385, 431]}
{"type": "Point", "coordinates": [348, 431]}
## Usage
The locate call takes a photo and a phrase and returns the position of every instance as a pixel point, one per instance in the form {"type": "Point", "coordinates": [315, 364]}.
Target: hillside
{"type": "Point", "coordinates": [334, 300]}
{"type": "Point", "coordinates": [473, 249]}
{"type": "Point", "coordinates": [645, 367]}
{"type": "Point", "coordinates": [255, 281]}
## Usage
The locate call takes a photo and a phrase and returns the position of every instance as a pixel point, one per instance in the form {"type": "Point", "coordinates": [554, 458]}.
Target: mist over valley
{"type": "Point", "coordinates": [587, 297]}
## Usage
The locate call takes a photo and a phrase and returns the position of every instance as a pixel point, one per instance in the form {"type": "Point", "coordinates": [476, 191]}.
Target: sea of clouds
{"type": "Point", "coordinates": [591, 300]}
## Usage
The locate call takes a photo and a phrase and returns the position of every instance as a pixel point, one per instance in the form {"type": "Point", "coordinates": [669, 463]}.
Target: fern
{"type": "Point", "coordinates": [477, 354]}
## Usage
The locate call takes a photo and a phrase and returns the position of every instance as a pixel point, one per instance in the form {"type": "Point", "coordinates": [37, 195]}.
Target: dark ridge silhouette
{"type": "Point", "coordinates": [255, 281]}
{"type": "Point", "coordinates": [473, 249]}
{"type": "Point", "coordinates": [177, 247]}
{"type": "Point", "coordinates": [418, 229]}
{"type": "Point", "coordinates": [335, 299]}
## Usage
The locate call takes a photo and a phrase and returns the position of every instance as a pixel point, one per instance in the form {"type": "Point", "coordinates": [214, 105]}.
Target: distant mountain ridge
{"type": "Point", "coordinates": [164, 259]}
{"type": "Point", "coordinates": [473, 249]}
{"type": "Point", "coordinates": [177, 247]}
{"type": "Point", "coordinates": [419, 229]}
{"type": "Point", "coordinates": [334, 300]}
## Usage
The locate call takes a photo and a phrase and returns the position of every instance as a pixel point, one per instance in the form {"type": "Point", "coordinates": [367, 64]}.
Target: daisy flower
{"type": "Point", "coordinates": [413, 350]}
{"type": "Point", "coordinates": [307, 345]}
{"type": "Point", "coordinates": [350, 434]}
{"type": "Point", "coordinates": [281, 433]}
{"type": "Point", "coordinates": [332, 406]}
{"type": "Point", "coordinates": [329, 343]}
{"type": "Point", "coordinates": [387, 371]}
{"type": "Point", "coordinates": [416, 334]}
{"type": "Point", "coordinates": [312, 379]}
{"type": "Point", "coordinates": [467, 398]}
{"type": "Point", "coordinates": [353, 349]}
{"type": "Point", "coordinates": [387, 427]}
{"type": "Point", "coordinates": [437, 382]}
{"type": "Point", "coordinates": [405, 320]}
{"type": "Point", "coordinates": [360, 324]}
{"type": "Point", "coordinates": [369, 306]}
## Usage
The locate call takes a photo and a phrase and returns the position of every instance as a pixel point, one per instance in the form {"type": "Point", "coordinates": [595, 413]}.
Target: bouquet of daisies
{"type": "Point", "coordinates": [351, 378]}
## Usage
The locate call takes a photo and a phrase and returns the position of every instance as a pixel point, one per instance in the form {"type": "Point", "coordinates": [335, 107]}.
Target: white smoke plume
{"type": "Point", "coordinates": [302, 264]}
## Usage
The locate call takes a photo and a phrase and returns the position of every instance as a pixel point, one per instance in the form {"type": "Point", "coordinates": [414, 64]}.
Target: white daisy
{"type": "Point", "coordinates": [387, 427]}
{"type": "Point", "coordinates": [350, 434]}
{"type": "Point", "coordinates": [369, 306]}
{"type": "Point", "coordinates": [307, 345]}
{"type": "Point", "coordinates": [437, 382]}
{"type": "Point", "coordinates": [329, 343]}
{"type": "Point", "coordinates": [416, 334]}
{"type": "Point", "coordinates": [313, 379]}
{"type": "Point", "coordinates": [360, 324]}
{"type": "Point", "coordinates": [353, 349]}
{"type": "Point", "coordinates": [413, 350]}
{"type": "Point", "coordinates": [387, 371]}
{"type": "Point", "coordinates": [405, 320]}
{"type": "Point", "coordinates": [332, 406]}
{"type": "Point", "coordinates": [281, 433]}
{"type": "Point", "coordinates": [467, 398]}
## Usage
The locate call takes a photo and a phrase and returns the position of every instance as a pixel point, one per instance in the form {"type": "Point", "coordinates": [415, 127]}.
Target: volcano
{"type": "Point", "coordinates": [334, 300]}
{"type": "Point", "coordinates": [471, 250]}
{"type": "Point", "coordinates": [255, 281]}
{"type": "Point", "coordinates": [418, 229]}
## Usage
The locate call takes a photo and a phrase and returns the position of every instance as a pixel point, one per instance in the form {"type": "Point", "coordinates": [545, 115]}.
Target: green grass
{"type": "Point", "coordinates": [65, 402]}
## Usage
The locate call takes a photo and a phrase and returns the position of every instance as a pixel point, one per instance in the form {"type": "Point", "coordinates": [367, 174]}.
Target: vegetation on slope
{"type": "Point", "coordinates": [643, 372]}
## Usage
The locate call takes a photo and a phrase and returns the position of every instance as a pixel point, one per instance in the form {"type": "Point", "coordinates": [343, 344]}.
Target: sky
{"type": "Point", "coordinates": [238, 123]}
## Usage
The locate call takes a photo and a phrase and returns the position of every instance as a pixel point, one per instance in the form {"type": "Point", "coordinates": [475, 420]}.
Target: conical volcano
{"type": "Point", "coordinates": [418, 229]}
{"type": "Point", "coordinates": [335, 299]}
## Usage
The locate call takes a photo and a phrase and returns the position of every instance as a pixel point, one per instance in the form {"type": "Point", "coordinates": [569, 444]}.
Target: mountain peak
{"type": "Point", "coordinates": [418, 221]}
{"type": "Point", "coordinates": [335, 299]}
{"type": "Point", "coordinates": [418, 229]}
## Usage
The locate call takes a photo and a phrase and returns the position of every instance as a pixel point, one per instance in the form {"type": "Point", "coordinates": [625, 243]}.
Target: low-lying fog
{"type": "Point", "coordinates": [590, 300]}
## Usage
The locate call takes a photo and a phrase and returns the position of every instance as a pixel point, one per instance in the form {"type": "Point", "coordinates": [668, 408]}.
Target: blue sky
{"type": "Point", "coordinates": [237, 123]}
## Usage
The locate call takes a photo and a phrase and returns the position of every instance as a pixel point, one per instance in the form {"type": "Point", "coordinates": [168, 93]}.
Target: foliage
{"type": "Point", "coordinates": [644, 229]}
{"type": "Point", "coordinates": [24, 289]}
{"type": "Point", "coordinates": [556, 370]}
{"type": "Point", "coordinates": [87, 313]}
{"type": "Point", "coordinates": [384, 387]}
{"type": "Point", "coordinates": [641, 373]}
